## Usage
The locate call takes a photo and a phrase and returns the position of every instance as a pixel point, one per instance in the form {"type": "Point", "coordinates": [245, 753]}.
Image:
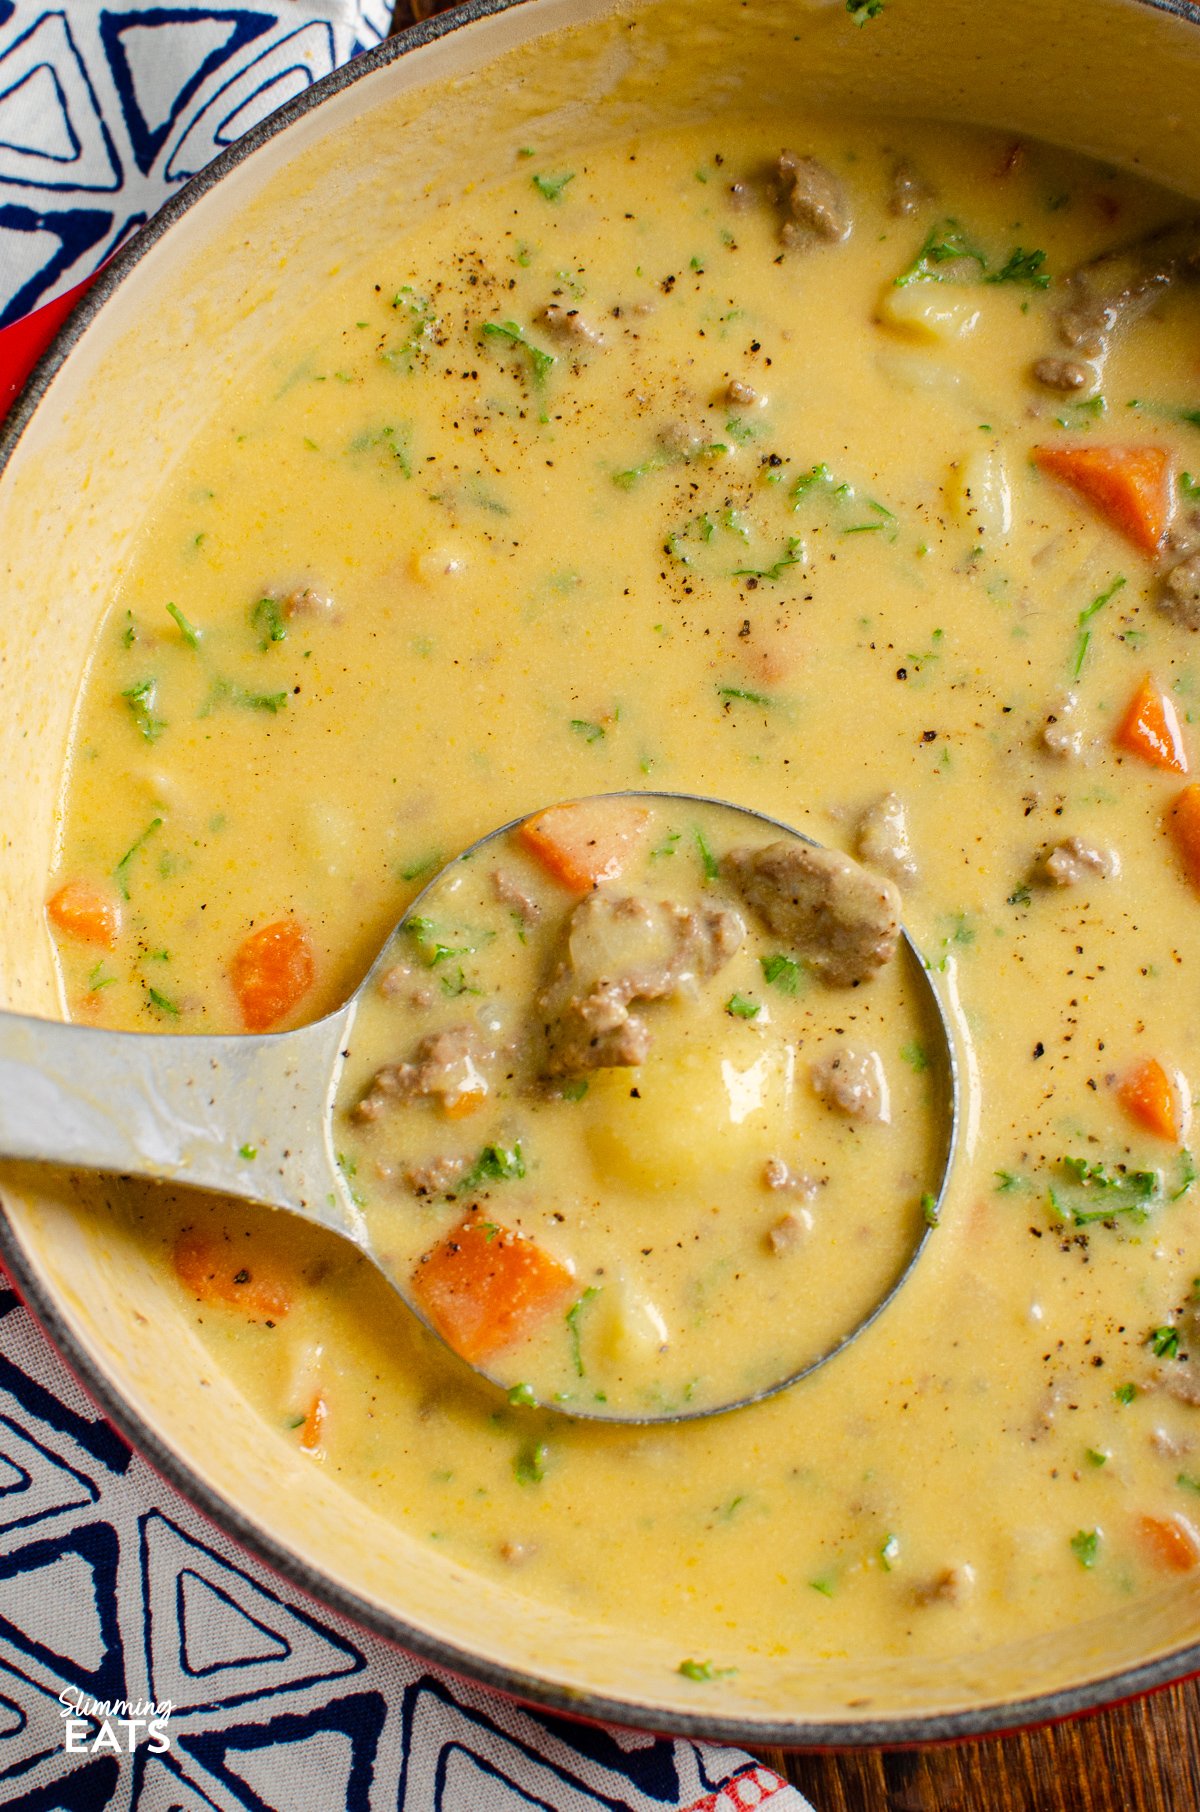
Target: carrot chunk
{"type": "Point", "coordinates": [313, 1423]}
{"type": "Point", "coordinates": [466, 1102]}
{"type": "Point", "coordinates": [1170, 1541]}
{"type": "Point", "coordinates": [1149, 1098]}
{"type": "Point", "coordinates": [272, 971]}
{"type": "Point", "coordinates": [1183, 824]}
{"type": "Point", "coordinates": [86, 913]}
{"type": "Point", "coordinates": [219, 1272]}
{"type": "Point", "coordinates": [586, 843]}
{"type": "Point", "coordinates": [1150, 729]}
{"type": "Point", "coordinates": [485, 1287]}
{"type": "Point", "coordinates": [1129, 486]}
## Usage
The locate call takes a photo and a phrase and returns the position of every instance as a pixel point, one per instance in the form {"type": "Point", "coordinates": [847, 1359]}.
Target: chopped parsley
{"type": "Point", "coordinates": [529, 1466]}
{"type": "Point", "coordinates": [162, 1004]}
{"type": "Point", "coordinates": [1084, 618]}
{"type": "Point", "coordinates": [541, 363]}
{"type": "Point", "coordinates": [708, 862]}
{"type": "Point", "coordinates": [349, 1170]}
{"type": "Point", "coordinates": [1187, 1174]}
{"type": "Point", "coordinates": [1094, 1192]}
{"type": "Point", "coordinates": [782, 972]}
{"type": "Point", "coordinates": [746, 697]}
{"type": "Point", "coordinates": [1125, 1393]}
{"type": "Point", "coordinates": [930, 1212]}
{"type": "Point", "coordinates": [1022, 267]}
{"type": "Point", "coordinates": [188, 631]}
{"type": "Point", "coordinates": [704, 1670]}
{"type": "Point", "coordinates": [1085, 1546]}
{"type": "Point", "coordinates": [1095, 1457]}
{"type": "Point", "coordinates": [793, 555]}
{"type": "Point", "coordinates": [945, 243]}
{"type": "Point", "coordinates": [121, 871]}
{"type": "Point", "coordinates": [425, 865]}
{"type": "Point", "coordinates": [741, 1008]}
{"type": "Point", "coordinates": [521, 1396]}
{"type": "Point", "coordinates": [915, 1055]}
{"type": "Point", "coordinates": [1164, 1341]}
{"type": "Point", "coordinates": [1007, 1181]}
{"type": "Point", "coordinates": [267, 619]}
{"type": "Point", "coordinates": [589, 731]}
{"type": "Point", "coordinates": [393, 445]}
{"type": "Point", "coordinates": [248, 1152]}
{"type": "Point", "coordinates": [572, 1319]}
{"type": "Point", "coordinates": [223, 691]}
{"type": "Point", "coordinates": [429, 938]}
{"type": "Point", "coordinates": [422, 325]}
{"type": "Point", "coordinates": [552, 187]}
{"type": "Point", "coordinates": [495, 1164]}
{"type": "Point", "coordinates": [141, 698]}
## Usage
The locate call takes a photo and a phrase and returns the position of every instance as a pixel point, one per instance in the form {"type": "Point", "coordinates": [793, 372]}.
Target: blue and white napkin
{"type": "Point", "coordinates": [105, 109]}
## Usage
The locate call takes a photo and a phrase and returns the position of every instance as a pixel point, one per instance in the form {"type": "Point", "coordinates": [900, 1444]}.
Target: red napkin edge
{"type": "Point", "coordinates": [22, 344]}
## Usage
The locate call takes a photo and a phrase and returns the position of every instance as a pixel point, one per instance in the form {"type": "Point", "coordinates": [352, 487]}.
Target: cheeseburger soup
{"type": "Point", "coordinates": [856, 482]}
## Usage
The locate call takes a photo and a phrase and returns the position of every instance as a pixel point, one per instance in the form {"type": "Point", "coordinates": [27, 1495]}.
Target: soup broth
{"type": "Point", "coordinates": [684, 465]}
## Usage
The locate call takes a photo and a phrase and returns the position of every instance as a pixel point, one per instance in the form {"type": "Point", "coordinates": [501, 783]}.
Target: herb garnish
{"type": "Point", "coordinates": [141, 698]}
{"type": "Point", "coordinates": [551, 187]}
{"type": "Point", "coordinates": [747, 698]}
{"type": "Point", "coordinates": [529, 1466]}
{"type": "Point", "coordinates": [495, 1164]}
{"type": "Point", "coordinates": [741, 1008]}
{"type": "Point", "coordinates": [541, 363]}
{"type": "Point", "coordinates": [1085, 1546]}
{"type": "Point", "coordinates": [572, 1319]}
{"type": "Point", "coordinates": [1097, 1193]}
{"type": "Point", "coordinates": [121, 871]}
{"type": "Point", "coordinates": [708, 862]}
{"type": "Point", "coordinates": [783, 972]}
{"type": "Point", "coordinates": [267, 618]}
{"type": "Point", "coordinates": [188, 631]}
{"type": "Point", "coordinates": [1022, 267]}
{"type": "Point", "coordinates": [704, 1670]}
{"type": "Point", "coordinates": [1084, 618]}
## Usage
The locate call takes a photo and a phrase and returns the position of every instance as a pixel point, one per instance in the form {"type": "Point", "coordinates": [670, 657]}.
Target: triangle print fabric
{"type": "Point", "coordinates": [113, 1588]}
{"type": "Point", "coordinates": [104, 110]}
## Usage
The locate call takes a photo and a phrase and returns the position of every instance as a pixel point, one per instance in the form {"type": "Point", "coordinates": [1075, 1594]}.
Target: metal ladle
{"type": "Point", "coordinates": [252, 1117]}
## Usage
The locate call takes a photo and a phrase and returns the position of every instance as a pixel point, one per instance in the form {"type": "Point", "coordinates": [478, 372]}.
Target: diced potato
{"type": "Point", "coordinates": [690, 1114]}
{"type": "Point", "coordinates": [624, 1327]}
{"type": "Point", "coordinates": [929, 311]}
{"type": "Point", "coordinates": [980, 495]}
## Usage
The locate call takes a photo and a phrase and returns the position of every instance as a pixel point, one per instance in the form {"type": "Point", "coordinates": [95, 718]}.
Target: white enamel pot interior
{"type": "Point", "coordinates": [140, 367]}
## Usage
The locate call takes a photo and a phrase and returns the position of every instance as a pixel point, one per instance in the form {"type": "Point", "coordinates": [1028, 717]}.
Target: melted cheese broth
{"type": "Point", "coordinates": [549, 580]}
{"type": "Point", "coordinates": [687, 1281]}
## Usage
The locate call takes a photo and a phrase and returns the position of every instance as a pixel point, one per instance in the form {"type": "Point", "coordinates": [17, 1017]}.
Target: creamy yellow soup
{"type": "Point", "coordinates": [682, 466]}
{"type": "Point", "coordinates": [615, 1134]}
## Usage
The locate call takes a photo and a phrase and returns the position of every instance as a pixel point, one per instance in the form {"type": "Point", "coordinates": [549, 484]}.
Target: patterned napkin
{"type": "Point", "coordinates": [224, 1688]}
{"type": "Point", "coordinates": [229, 1689]}
{"type": "Point", "coordinates": [105, 110]}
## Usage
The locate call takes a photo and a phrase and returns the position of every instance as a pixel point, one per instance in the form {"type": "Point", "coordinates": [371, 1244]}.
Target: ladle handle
{"type": "Point", "coordinates": [245, 1117]}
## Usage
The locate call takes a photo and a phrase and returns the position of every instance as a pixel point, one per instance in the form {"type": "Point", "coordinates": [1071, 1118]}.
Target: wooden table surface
{"type": "Point", "coordinates": [1142, 1757]}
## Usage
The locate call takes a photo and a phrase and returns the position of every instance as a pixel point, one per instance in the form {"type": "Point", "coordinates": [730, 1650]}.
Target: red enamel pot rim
{"type": "Point", "coordinates": [514, 1683]}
